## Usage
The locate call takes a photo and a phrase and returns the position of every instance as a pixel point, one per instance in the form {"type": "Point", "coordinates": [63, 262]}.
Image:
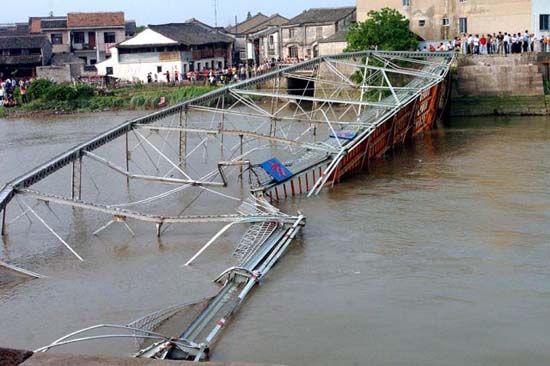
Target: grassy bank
{"type": "Point", "coordinates": [45, 97]}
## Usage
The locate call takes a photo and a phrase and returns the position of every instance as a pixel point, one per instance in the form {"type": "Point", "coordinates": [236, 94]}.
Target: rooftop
{"type": "Point", "coordinates": [322, 15]}
{"type": "Point", "coordinates": [22, 42]}
{"type": "Point", "coordinates": [337, 37]}
{"type": "Point", "coordinates": [53, 23]}
{"type": "Point", "coordinates": [257, 23]}
{"type": "Point", "coordinates": [89, 20]}
{"type": "Point", "coordinates": [191, 34]}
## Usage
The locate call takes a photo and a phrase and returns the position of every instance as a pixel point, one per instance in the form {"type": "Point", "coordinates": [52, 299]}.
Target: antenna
{"type": "Point", "coordinates": [215, 3]}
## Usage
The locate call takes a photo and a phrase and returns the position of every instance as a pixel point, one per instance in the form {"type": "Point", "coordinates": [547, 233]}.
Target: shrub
{"type": "Point", "coordinates": [85, 91]}
{"type": "Point", "coordinates": [38, 89]}
{"type": "Point", "coordinates": [61, 92]}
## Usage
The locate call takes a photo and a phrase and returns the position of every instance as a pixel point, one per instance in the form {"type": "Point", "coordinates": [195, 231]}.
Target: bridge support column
{"type": "Point", "coordinates": [274, 108]}
{"type": "Point", "coordinates": [77, 179]}
{"type": "Point", "coordinates": [127, 153]}
{"type": "Point", "coordinates": [3, 222]}
{"type": "Point", "coordinates": [183, 137]}
{"type": "Point", "coordinates": [222, 126]}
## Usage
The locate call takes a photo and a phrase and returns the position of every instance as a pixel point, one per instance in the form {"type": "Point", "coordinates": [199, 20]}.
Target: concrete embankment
{"type": "Point", "coordinates": [10, 357]}
{"type": "Point", "coordinates": [500, 85]}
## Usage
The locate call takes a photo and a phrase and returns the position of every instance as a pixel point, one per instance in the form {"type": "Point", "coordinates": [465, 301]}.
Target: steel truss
{"type": "Point", "coordinates": [321, 119]}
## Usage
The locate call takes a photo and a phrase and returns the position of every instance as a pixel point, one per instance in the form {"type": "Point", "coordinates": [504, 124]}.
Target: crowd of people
{"type": "Point", "coordinates": [10, 88]}
{"type": "Point", "coordinates": [489, 44]}
{"type": "Point", "coordinates": [220, 76]}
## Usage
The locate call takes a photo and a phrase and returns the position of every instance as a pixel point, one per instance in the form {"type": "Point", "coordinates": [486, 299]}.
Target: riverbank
{"type": "Point", "coordinates": [514, 85]}
{"type": "Point", "coordinates": [469, 106]}
{"type": "Point", "coordinates": [139, 97]}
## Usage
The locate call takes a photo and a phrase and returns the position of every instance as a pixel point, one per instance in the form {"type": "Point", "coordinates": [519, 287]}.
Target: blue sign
{"type": "Point", "coordinates": [276, 170]}
{"type": "Point", "coordinates": [345, 135]}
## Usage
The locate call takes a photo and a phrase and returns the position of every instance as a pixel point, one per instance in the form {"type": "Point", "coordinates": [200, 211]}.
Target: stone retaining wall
{"type": "Point", "coordinates": [512, 75]}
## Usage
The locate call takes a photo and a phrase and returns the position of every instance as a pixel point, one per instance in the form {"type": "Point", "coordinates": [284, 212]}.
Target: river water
{"type": "Point", "coordinates": [440, 256]}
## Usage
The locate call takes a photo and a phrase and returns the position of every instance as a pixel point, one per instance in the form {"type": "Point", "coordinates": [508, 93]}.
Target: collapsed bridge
{"type": "Point", "coordinates": [288, 133]}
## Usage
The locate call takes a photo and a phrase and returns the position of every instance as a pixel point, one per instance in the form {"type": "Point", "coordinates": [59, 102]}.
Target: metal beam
{"type": "Point", "coordinates": [156, 219]}
{"type": "Point", "coordinates": [306, 145]}
{"type": "Point", "coordinates": [313, 99]}
{"type": "Point", "coordinates": [117, 169]}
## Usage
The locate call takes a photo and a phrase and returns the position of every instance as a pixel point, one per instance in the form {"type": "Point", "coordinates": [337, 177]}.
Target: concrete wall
{"type": "Point", "coordinates": [515, 75]}
{"type": "Point", "coordinates": [59, 74]}
{"type": "Point", "coordinates": [332, 48]}
{"type": "Point", "coordinates": [483, 16]}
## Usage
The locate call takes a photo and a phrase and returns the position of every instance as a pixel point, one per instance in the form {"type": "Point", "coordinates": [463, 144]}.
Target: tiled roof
{"type": "Point", "coordinates": [53, 23]}
{"type": "Point", "coordinates": [18, 29]}
{"type": "Point", "coordinates": [21, 60]}
{"type": "Point", "coordinates": [244, 27]}
{"type": "Point", "coordinates": [274, 20]}
{"type": "Point", "coordinates": [131, 27]}
{"type": "Point", "coordinates": [60, 59]}
{"type": "Point", "coordinates": [95, 20]}
{"type": "Point", "coordinates": [337, 37]}
{"type": "Point", "coordinates": [190, 34]}
{"type": "Point", "coordinates": [22, 42]}
{"type": "Point", "coordinates": [322, 15]}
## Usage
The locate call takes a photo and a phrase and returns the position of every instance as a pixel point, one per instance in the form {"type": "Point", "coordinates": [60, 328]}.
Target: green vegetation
{"type": "Point", "coordinates": [498, 105]}
{"type": "Point", "coordinates": [44, 95]}
{"type": "Point", "coordinates": [386, 30]}
{"type": "Point", "coordinates": [546, 82]}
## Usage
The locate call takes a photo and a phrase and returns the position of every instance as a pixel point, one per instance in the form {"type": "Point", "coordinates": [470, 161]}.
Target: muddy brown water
{"type": "Point", "coordinates": [440, 256]}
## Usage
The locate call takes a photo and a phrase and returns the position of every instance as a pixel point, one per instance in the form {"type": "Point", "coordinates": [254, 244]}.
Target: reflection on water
{"type": "Point", "coordinates": [437, 257]}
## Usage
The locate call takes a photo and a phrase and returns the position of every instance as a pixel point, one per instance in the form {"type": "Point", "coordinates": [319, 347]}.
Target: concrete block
{"type": "Point", "coordinates": [13, 357]}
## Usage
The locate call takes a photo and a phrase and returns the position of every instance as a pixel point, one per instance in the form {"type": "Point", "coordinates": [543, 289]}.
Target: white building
{"type": "Point", "coordinates": [169, 48]}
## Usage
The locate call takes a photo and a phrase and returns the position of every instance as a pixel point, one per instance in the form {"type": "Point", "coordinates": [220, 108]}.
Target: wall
{"type": "Point", "coordinates": [59, 74]}
{"type": "Point", "coordinates": [540, 7]}
{"type": "Point", "coordinates": [499, 75]}
{"type": "Point", "coordinates": [59, 48]}
{"type": "Point", "coordinates": [332, 48]}
{"type": "Point", "coordinates": [488, 85]}
{"type": "Point", "coordinates": [484, 16]}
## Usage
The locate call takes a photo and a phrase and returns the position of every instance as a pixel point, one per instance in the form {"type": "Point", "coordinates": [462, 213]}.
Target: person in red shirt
{"type": "Point", "coordinates": [483, 45]}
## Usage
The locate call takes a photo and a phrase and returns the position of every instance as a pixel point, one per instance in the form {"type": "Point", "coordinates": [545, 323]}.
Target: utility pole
{"type": "Point", "coordinates": [215, 13]}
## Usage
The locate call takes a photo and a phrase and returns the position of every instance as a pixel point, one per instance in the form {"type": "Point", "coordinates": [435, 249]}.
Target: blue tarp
{"type": "Point", "coordinates": [345, 135]}
{"type": "Point", "coordinates": [276, 170]}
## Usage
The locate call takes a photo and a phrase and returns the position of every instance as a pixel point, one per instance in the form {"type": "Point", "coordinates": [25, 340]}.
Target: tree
{"type": "Point", "coordinates": [386, 30]}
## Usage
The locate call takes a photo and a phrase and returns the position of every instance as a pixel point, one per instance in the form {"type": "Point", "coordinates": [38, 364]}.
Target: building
{"type": "Point", "coordinates": [93, 34]}
{"type": "Point", "coordinates": [55, 29]}
{"type": "Point", "coordinates": [14, 29]}
{"type": "Point", "coordinates": [436, 19]}
{"type": "Point", "coordinates": [181, 47]}
{"type": "Point", "coordinates": [334, 44]}
{"type": "Point", "coordinates": [248, 35]}
{"type": "Point", "coordinates": [20, 55]}
{"type": "Point", "coordinates": [302, 34]}
{"type": "Point", "coordinates": [269, 44]}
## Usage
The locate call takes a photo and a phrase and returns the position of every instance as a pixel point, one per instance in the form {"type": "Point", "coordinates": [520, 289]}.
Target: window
{"type": "Point", "coordinates": [78, 37]}
{"type": "Point", "coordinates": [406, 2]}
{"type": "Point", "coordinates": [291, 33]}
{"type": "Point", "coordinates": [463, 25]}
{"type": "Point", "coordinates": [271, 40]}
{"type": "Point", "coordinates": [159, 69]}
{"type": "Point", "coordinates": [109, 37]}
{"type": "Point", "coordinates": [109, 70]}
{"type": "Point", "coordinates": [421, 23]}
{"type": "Point", "coordinates": [544, 22]}
{"type": "Point", "coordinates": [445, 22]}
{"type": "Point", "coordinates": [293, 52]}
{"type": "Point", "coordinates": [57, 38]}
{"type": "Point", "coordinates": [319, 32]}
